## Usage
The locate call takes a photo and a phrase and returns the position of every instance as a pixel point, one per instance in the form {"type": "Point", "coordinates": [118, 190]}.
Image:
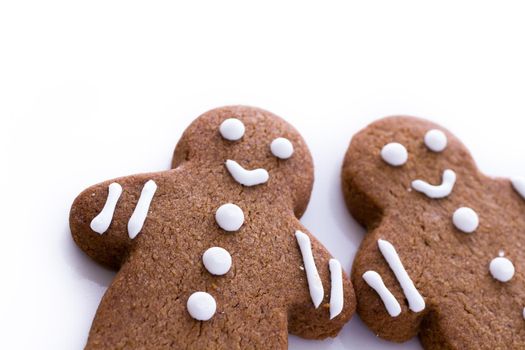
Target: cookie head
{"type": "Point", "coordinates": [251, 147]}
{"type": "Point", "coordinates": [400, 155]}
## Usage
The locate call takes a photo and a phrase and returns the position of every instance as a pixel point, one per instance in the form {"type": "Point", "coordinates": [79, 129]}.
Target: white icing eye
{"type": "Point", "coordinates": [229, 217]}
{"type": "Point", "coordinates": [217, 261]}
{"type": "Point", "coordinates": [394, 154]}
{"type": "Point", "coordinates": [436, 140]}
{"type": "Point", "coordinates": [232, 129]}
{"type": "Point", "coordinates": [201, 306]}
{"type": "Point", "coordinates": [281, 148]}
{"type": "Point", "coordinates": [466, 220]}
{"type": "Point", "coordinates": [501, 269]}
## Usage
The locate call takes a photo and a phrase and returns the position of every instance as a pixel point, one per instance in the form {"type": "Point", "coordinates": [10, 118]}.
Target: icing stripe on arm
{"type": "Point", "coordinates": [101, 222]}
{"type": "Point", "coordinates": [374, 280]}
{"type": "Point", "coordinates": [136, 221]}
{"type": "Point", "coordinates": [519, 185]}
{"type": "Point", "coordinates": [336, 290]}
{"type": "Point", "coordinates": [312, 275]}
{"type": "Point", "coordinates": [416, 302]}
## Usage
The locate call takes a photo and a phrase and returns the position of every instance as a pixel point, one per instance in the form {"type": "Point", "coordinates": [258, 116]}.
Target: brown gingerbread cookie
{"type": "Point", "coordinates": [211, 254]}
{"type": "Point", "coordinates": [444, 251]}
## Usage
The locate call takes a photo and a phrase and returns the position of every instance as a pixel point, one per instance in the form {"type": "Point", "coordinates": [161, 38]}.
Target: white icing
{"type": "Point", "coordinates": [232, 129]}
{"type": "Point", "coordinates": [312, 275]}
{"type": "Point", "coordinates": [136, 221]}
{"type": "Point", "coordinates": [217, 261]}
{"type": "Point", "coordinates": [501, 268]}
{"type": "Point", "coordinates": [523, 313]}
{"type": "Point", "coordinates": [416, 302]}
{"type": "Point", "coordinates": [436, 140]}
{"type": "Point", "coordinates": [374, 280]}
{"type": "Point", "coordinates": [281, 148]}
{"type": "Point", "coordinates": [519, 185]}
{"type": "Point", "coordinates": [246, 177]}
{"type": "Point", "coordinates": [101, 222]}
{"type": "Point", "coordinates": [229, 217]}
{"type": "Point", "coordinates": [336, 288]}
{"type": "Point", "coordinates": [201, 306]}
{"type": "Point", "coordinates": [394, 154]}
{"type": "Point", "coordinates": [465, 219]}
{"type": "Point", "coordinates": [439, 191]}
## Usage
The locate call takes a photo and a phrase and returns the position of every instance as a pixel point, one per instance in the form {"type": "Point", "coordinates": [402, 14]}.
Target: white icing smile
{"type": "Point", "coordinates": [439, 191]}
{"type": "Point", "coordinates": [246, 177]}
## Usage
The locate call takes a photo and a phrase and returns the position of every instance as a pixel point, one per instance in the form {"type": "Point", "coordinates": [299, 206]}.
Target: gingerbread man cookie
{"type": "Point", "coordinates": [444, 254]}
{"type": "Point", "coordinates": [211, 254]}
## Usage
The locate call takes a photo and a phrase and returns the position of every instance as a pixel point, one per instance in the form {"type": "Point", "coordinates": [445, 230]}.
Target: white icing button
{"type": "Point", "coordinates": [336, 288]}
{"type": "Point", "coordinates": [374, 280]}
{"type": "Point", "coordinates": [232, 129]}
{"type": "Point", "coordinates": [519, 185]}
{"type": "Point", "coordinates": [440, 191]}
{"type": "Point", "coordinates": [416, 302]}
{"type": "Point", "coordinates": [201, 306]}
{"type": "Point", "coordinates": [315, 285]}
{"type": "Point", "coordinates": [101, 222]}
{"type": "Point", "coordinates": [394, 154]}
{"type": "Point", "coordinates": [217, 261]}
{"type": "Point", "coordinates": [281, 148]}
{"type": "Point", "coordinates": [136, 221]}
{"type": "Point", "coordinates": [246, 177]}
{"type": "Point", "coordinates": [466, 220]}
{"type": "Point", "coordinates": [436, 140]}
{"type": "Point", "coordinates": [501, 269]}
{"type": "Point", "coordinates": [229, 217]}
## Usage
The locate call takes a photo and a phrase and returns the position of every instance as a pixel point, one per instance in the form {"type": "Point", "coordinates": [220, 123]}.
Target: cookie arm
{"type": "Point", "coordinates": [382, 301]}
{"type": "Point", "coordinates": [308, 321]}
{"type": "Point", "coordinates": [105, 218]}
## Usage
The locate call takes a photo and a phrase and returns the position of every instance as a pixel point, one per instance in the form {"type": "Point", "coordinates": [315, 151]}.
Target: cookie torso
{"type": "Point", "coordinates": [465, 306]}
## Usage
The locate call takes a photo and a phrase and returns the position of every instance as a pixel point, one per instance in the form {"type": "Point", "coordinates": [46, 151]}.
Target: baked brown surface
{"type": "Point", "coordinates": [265, 293]}
{"type": "Point", "coordinates": [466, 308]}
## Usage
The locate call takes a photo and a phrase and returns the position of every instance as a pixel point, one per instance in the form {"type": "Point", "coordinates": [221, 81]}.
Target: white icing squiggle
{"type": "Point", "coordinates": [416, 302]}
{"type": "Point", "coordinates": [101, 222]}
{"type": "Point", "coordinates": [136, 221]}
{"type": "Point", "coordinates": [312, 275]}
{"type": "Point", "coordinates": [246, 177]}
{"type": "Point", "coordinates": [336, 289]}
{"type": "Point", "coordinates": [519, 185]}
{"type": "Point", "coordinates": [440, 191]}
{"type": "Point", "coordinates": [374, 280]}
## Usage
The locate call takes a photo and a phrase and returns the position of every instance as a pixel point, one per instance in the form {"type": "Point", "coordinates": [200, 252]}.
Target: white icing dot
{"type": "Point", "coordinates": [229, 217]}
{"type": "Point", "coordinates": [465, 219]}
{"type": "Point", "coordinates": [201, 306]}
{"type": "Point", "coordinates": [501, 269]}
{"type": "Point", "coordinates": [436, 140]}
{"type": "Point", "coordinates": [232, 129]}
{"type": "Point", "coordinates": [282, 148]}
{"type": "Point", "coordinates": [519, 185]}
{"type": "Point", "coordinates": [217, 261]}
{"type": "Point", "coordinates": [394, 154]}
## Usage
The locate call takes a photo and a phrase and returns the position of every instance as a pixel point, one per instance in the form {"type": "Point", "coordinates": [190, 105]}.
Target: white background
{"type": "Point", "coordinates": [97, 89]}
